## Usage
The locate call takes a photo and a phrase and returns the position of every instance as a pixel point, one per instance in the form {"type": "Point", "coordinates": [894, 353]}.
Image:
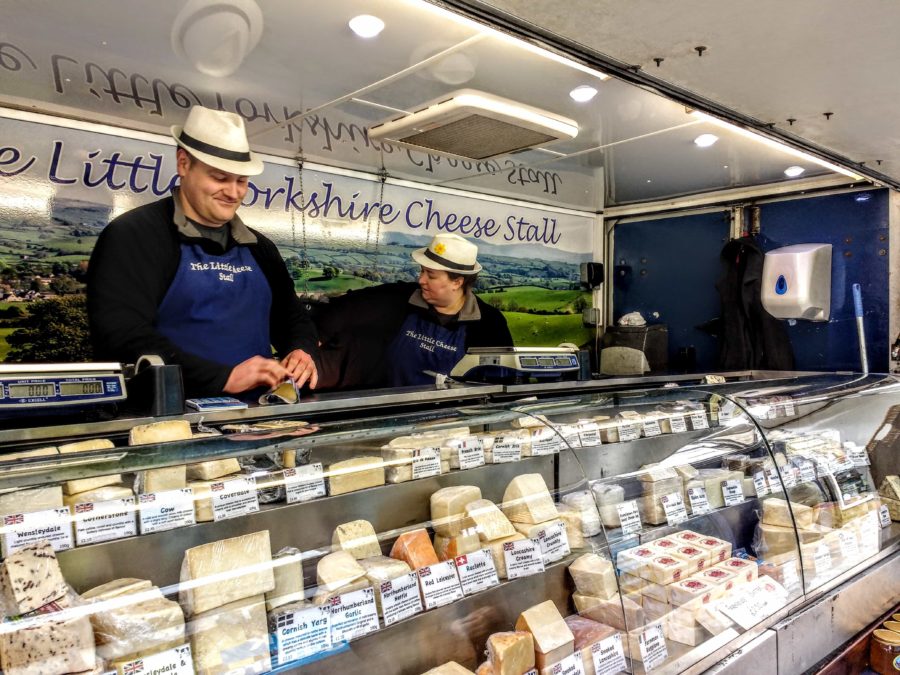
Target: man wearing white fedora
{"type": "Point", "coordinates": [400, 334]}
{"type": "Point", "coordinates": [184, 278]}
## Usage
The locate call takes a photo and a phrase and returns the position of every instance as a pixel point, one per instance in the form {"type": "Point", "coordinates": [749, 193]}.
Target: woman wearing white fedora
{"type": "Point", "coordinates": [399, 334]}
{"type": "Point", "coordinates": [184, 278]}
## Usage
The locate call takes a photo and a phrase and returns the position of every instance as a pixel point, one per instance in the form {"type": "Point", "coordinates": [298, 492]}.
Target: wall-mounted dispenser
{"type": "Point", "coordinates": [796, 282]}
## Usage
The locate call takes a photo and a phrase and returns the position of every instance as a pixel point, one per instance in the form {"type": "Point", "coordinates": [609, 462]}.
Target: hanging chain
{"type": "Point", "coordinates": [304, 251]}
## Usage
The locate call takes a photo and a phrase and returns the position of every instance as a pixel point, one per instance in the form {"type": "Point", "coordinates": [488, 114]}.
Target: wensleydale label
{"type": "Point", "coordinates": [103, 521]}
{"type": "Point", "coordinates": [159, 511]}
{"type": "Point", "coordinates": [23, 529]}
{"type": "Point", "coordinates": [302, 633]}
{"type": "Point", "coordinates": [234, 498]}
{"type": "Point", "coordinates": [175, 661]}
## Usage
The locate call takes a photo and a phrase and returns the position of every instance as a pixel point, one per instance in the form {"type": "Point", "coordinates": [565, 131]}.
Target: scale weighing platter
{"type": "Point", "coordinates": [33, 387]}
{"type": "Point", "coordinates": [501, 363]}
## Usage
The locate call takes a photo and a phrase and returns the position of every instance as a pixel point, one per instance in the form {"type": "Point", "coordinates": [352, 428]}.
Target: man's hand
{"type": "Point", "coordinates": [256, 371]}
{"type": "Point", "coordinates": [301, 368]}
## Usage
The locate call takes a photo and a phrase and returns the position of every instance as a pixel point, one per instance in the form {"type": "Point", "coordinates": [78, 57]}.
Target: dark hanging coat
{"type": "Point", "coordinates": [751, 337]}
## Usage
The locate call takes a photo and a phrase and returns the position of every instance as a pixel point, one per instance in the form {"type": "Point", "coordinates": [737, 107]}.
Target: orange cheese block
{"type": "Point", "coordinates": [415, 549]}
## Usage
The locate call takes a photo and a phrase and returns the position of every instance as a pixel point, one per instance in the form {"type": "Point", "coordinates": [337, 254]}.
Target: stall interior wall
{"type": "Point", "coordinates": [670, 266]}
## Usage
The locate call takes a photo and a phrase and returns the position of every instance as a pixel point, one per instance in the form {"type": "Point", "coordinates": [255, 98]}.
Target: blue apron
{"type": "Point", "coordinates": [218, 306]}
{"type": "Point", "coordinates": [424, 345]}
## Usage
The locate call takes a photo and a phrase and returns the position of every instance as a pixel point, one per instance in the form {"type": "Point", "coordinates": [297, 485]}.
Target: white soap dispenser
{"type": "Point", "coordinates": [796, 282]}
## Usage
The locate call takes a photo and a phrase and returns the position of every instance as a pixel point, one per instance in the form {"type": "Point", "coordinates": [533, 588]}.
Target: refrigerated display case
{"type": "Point", "coordinates": [680, 523]}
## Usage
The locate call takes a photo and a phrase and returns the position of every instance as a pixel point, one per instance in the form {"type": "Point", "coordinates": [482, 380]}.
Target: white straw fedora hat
{"type": "Point", "coordinates": [449, 252]}
{"type": "Point", "coordinates": [218, 138]}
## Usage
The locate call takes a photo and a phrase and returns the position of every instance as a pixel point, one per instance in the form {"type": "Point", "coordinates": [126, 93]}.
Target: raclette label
{"type": "Point", "coordinates": [160, 511]}
{"type": "Point", "coordinates": [23, 529]}
{"type": "Point", "coordinates": [96, 522]}
{"type": "Point", "coordinates": [303, 483]}
{"type": "Point", "coordinates": [507, 449]}
{"type": "Point", "coordinates": [302, 633]}
{"type": "Point", "coordinates": [476, 571]}
{"type": "Point", "coordinates": [234, 498]}
{"type": "Point", "coordinates": [426, 462]}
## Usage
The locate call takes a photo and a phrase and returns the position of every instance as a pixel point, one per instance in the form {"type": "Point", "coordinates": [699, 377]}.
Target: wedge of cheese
{"type": "Point", "coordinates": [101, 494]}
{"type": "Point", "coordinates": [511, 653]}
{"type": "Point", "coordinates": [117, 587]}
{"type": "Point", "coordinates": [527, 500]}
{"type": "Point", "coordinates": [778, 512]}
{"type": "Point", "coordinates": [213, 469]}
{"type": "Point", "coordinates": [30, 500]}
{"type": "Point", "coordinates": [415, 549]}
{"type": "Point", "coordinates": [338, 569]}
{"type": "Point", "coordinates": [354, 474]}
{"type": "Point", "coordinates": [233, 638]}
{"type": "Point", "coordinates": [30, 578]}
{"type": "Point", "coordinates": [380, 569]}
{"type": "Point", "coordinates": [573, 521]}
{"type": "Point", "coordinates": [123, 630]}
{"type": "Point", "coordinates": [49, 451]}
{"type": "Point", "coordinates": [594, 575]}
{"type": "Point", "coordinates": [358, 538]}
{"type": "Point", "coordinates": [448, 509]}
{"type": "Point", "coordinates": [246, 562]}
{"type": "Point", "coordinates": [71, 487]}
{"type": "Point", "coordinates": [489, 521]}
{"type": "Point", "coordinates": [159, 480]}
{"type": "Point", "coordinates": [160, 432]}
{"type": "Point", "coordinates": [533, 530]}
{"type": "Point", "coordinates": [52, 646]}
{"type": "Point", "coordinates": [620, 612]}
{"type": "Point", "coordinates": [553, 641]}
{"type": "Point", "coordinates": [287, 569]}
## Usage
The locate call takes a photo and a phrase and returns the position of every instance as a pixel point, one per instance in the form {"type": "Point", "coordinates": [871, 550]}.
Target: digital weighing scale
{"type": "Point", "coordinates": [514, 364]}
{"type": "Point", "coordinates": [57, 387]}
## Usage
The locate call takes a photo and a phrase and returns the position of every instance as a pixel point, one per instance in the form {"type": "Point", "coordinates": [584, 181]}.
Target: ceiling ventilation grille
{"type": "Point", "coordinates": [476, 125]}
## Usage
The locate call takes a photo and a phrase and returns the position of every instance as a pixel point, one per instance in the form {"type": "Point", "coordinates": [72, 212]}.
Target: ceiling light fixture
{"type": "Point", "coordinates": [583, 93]}
{"type": "Point", "coordinates": [366, 25]}
{"type": "Point", "coordinates": [776, 145]}
{"type": "Point", "coordinates": [793, 171]}
{"type": "Point", "coordinates": [705, 140]}
{"type": "Point", "coordinates": [215, 36]}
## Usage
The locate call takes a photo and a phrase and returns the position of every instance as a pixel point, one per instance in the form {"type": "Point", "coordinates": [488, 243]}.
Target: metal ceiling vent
{"type": "Point", "coordinates": [475, 125]}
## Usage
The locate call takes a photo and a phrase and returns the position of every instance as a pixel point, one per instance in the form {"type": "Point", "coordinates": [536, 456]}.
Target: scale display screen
{"type": "Point", "coordinates": [39, 387]}
{"type": "Point", "coordinates": [81, 388]}
{"type": "Point", "coordinates": [31, 390]}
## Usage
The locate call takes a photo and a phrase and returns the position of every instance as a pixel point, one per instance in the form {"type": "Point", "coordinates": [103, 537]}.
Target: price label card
{"type": "Point", "coordinates": [160, 511]}
{"type": "Point", "coordinates": [400, 598]}
{"type": "Point", "coordinates": [104, 521]}
{"type": "Point", "coordinates": [523, 558]}
{"type": "Point", "coordinates": [652, 643]}
{"type": "Point", "coordinates": [822, 559]}
{"type": "Point", "coordinates": [732, 492]}
{"type": "Point", "coordinates": [303, 483]}
{"type": "Point", "coordinates": [754, 602]}
{"type": "Point", "coordinates": [699, 421]}
{"type": "Point", "coordinates": [471, 453]}
{"type": "Point", "coordinates": [302, 633]}
{"type": "Point", "coordinates": [789, 576]}
{"type": "Point", "coordinates": [678, 424]}
{"type": "Point", "coordinates": [651, 428]}
{"type": "Point", "coordinates": [699, 501]}
{"type": "Point", "coordinates": [353, 615]}
{"type": "Point", "coordinates": [439, 584]}
{"type": "Point", "coordinates": [629, 517]}
{"type": "Point", "coordinates": [726, 411]}
{"type": "Point", "coordinates": [858, 456]}
{"type": "Point", "coordinates": [507, 449]}
{"type": "Point", "coordinates": [234, 498]}
{"type": "Point", "coordinates": [773, 480]}
{"type": "Point", "coordinates": [544, 441]}
{"type": "Point", "coordinates": [589, 433]}
{"type": "Point", "coordinates": [849, 545]}
{"type": "Point", "coordinates": [570, 435]}
{"type": "Point", "coordinates": [476, 571]}
{"type": "Point", "coordinates": [789, 410]}
{"type": "Point", "coordinates": [760, 484]}
{"type": "Point", "coordinates": [789, 476]}
{"type": "Point", "coordinates": [628, 431]}
{"type": "Point", "coordinates": [807, 472]}
{"type": "Point", "coordinates": [23, 529]}
{"type": "Point", "coordinates": [673, 505]}
{"type": "Point", "coordinates": [842, 463]}
{"type": "Point", "coordinates": [426, 462]}
{"type": "Point", "coordinates": [608, 655]}
{"type": "Point", "coordinates": [571, 665]}
{"type": "Point", "coordinates": [554, 542]}
{"type": "Point", "coordinates": [885, 516]}
{"type": "Point", "coordinates": [176, 661]}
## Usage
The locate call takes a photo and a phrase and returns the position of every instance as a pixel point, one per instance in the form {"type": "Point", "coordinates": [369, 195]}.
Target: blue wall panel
{"type": "Point", "coordinates": [681, 266]}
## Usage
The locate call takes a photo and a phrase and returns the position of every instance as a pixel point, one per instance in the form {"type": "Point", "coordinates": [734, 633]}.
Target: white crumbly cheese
{"type": "Point", "coordinates": [778, 512]}
{"type": "Point", "coordinates": [489, 521]}
{"type": "Point", "coordinates": [583, 502]}
{"type": "Point", "coordinates": [652, 473]}
{"type": "Point", "coordinates": [594, 575]}
{"type": "Point", "coordinates": [574, 525]}
{"type": "Point", "coordinates": [358, 538]}
{"type": "Point", "coordinates": [553, 641]}
{"type": "Point", "coordinates": [246, 562]}
{"type": "Point", "coordinates": [532, 530]}
{"type": "Point", "coordinates": [429, 438]}
{"type": "Point", "coordinates": [160, 432]}
{"type": "Point", "coordinates": [656, 591]}
{"type": "Point", "coordinates": [233, 638]}
{"type": "Point", "coordinates": [355, 474]}
{"type": "Point", "coordinates": [338, 569]}
{"type": "Point", "coordinates": [398, 462]}
{"type": "Point", "coordinates": [448, 509]}
{"type": "Point", "coordinates": [101, 494]}
{"type": "Point", "coordinates": [631, 583]}
{"type": "Point", "coordinates": [49, 647]}
{"type": "Point", "coordinates": [288, 579]}
{"type": "Point", "coordinates": [30, 578]}
{"type": "Point", "coordinates": [527, 500]}
{"type": "Point", "coordinates": [712, 619]}
{"type": "Point", "coordinates": [159, 480]}
{"type": "Point", "coordinates": [71, 487]}
{"type": "Point", "coordinates": [213, 469]}
{"type": "Point", "coordinates": [610, 612]}
{"type": "Point", "coordinates": [30, 500]}
{"type": "Point", "coordinates": [380, 569]}
{"type": "Point", "coordinates": [117, 587]}
{"type": "Point", "coordinates": [663, 569]}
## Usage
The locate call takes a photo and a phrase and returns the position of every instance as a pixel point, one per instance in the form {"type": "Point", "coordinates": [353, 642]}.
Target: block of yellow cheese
{"type": "Point", "coordinates": [489, 521]}
{"type": "Point", "coordinates": [159, 480]}
{"type": "Point", "coordinates": [498, 555]}
{"type": "Point", "coordinates": [160, 432]}
{"type": "Point", "coordinates": [213, 469]}
{"type": "Point", "coordinates": [287, 570]}
{"type": "Point", "coordinates": [594, 575]}
{"type": "Point", "coordinates": [380, 569]}
{"type": "Point", "coordinates": [778, 512]}
{"type": "Point", "coordinates": [232, 638]}
{"type": "Point", "coordinates": [448, 509]}
{"type": "Point", "coordinates": [338, 569]}
{"type": "Point", "coordinates": [415, 549]}
{"type": "Point", "coordinates": [553, 641]}
{"type": "Point", "coordinates": [101, 494]}
{"type": "Point", "coordinates": [358, 538]}
{"type": "Point", "coordinates": [511, 653]}
{"type": "Point", "coordinates": [355, 474]}
{"type": "Point", "coordinates": [449, 668]}
{"type": "Point", "coordinates": [621, 612]}
{"type": "Point", "coordinates": [71, 487]}
{"type": "Point", "coordinates": [244, 561]}
{"type": "Point", "coordinates": [527, 500]}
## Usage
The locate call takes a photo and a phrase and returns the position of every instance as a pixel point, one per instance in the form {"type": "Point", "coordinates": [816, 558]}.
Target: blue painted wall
{"type": "Point", "coordinates": [682, 265]}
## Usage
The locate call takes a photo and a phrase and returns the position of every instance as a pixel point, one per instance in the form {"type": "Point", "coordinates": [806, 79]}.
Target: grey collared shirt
{"type": "Point", "coordinates": [188, 228]}
{"type": "Point", "coordinates": [469, 312]}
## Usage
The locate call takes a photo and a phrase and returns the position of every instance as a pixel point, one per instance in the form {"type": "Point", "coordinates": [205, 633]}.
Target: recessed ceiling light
{"type": "Point", "coordinates": [366, 25]}
{"type": "Point", "coordinates": [793, 171]}
{"type": "Point", "coordinates": [724, 166]}
{"type": "Point", "coordinates": [863, 197]}
{"type": "Point", "coordinates": [705, 140]}
{"type": "Point", "coordinates": [583, 93]}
